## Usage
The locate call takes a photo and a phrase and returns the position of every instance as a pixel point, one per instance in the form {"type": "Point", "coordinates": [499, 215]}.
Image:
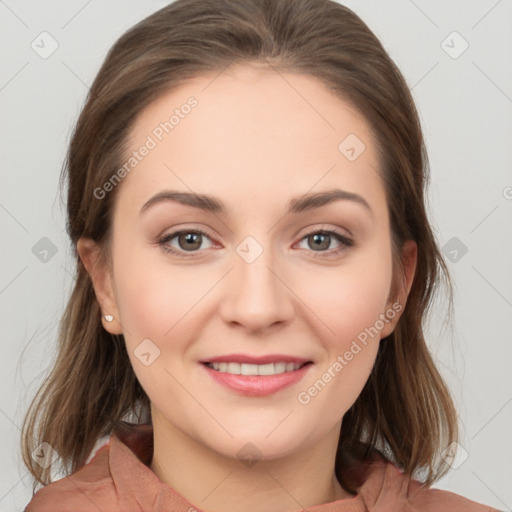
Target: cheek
{"type": "Point", "coordinates": [349, 309]}
{"type": "Point", "coordinates": [157, 307]}
{"type": "Point", "coordinates": [155, 298]}
{"type": "Point", "coordinates": [162, 303]}
{"type": "Point", "coordinates": [350, 301]}
{"type": "Point", "coordinates": [349, 298]}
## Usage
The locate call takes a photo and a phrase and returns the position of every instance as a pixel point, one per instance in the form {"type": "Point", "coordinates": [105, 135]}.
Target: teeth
{"type": "Point", "coordinates": [254, 369]}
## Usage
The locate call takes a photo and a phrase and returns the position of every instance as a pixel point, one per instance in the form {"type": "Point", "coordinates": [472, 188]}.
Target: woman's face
{"type": "Point", "coordinates": [265, 279]}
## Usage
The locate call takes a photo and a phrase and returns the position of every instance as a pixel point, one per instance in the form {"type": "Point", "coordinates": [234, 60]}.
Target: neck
{"type": "Point", "coordinates": [219, 483]}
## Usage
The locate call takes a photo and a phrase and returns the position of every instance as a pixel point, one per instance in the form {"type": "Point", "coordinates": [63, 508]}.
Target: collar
{"type": "Point", "coordinates": [131, 452]}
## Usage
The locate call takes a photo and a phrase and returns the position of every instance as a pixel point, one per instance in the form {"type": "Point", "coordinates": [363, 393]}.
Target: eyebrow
{"type": "Point", "coordinates": [296, 205]}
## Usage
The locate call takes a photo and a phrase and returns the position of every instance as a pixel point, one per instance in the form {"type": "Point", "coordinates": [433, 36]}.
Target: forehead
{"type": "Point", "coordinates": [255, 131]}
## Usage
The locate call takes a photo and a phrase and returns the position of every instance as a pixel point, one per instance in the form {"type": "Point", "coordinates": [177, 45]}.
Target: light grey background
{"type": "Point", "coordinates": [466, 111]}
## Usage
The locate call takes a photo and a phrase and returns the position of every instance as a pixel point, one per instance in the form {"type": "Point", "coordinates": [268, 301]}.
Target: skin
{"type": "Point", "coordinates": [256, 140]}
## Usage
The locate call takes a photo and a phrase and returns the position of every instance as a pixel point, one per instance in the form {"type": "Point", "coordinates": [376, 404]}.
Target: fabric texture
{"type": "Point", "coordinates": [118, 479]}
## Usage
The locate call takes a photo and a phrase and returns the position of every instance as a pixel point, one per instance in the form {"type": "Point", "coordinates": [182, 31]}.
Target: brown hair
{"type": "Point", "coordinates": [405, 411]}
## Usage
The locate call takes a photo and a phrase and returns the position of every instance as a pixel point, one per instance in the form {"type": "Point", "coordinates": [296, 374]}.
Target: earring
{"type": "Point", "coordinates": [108, 318]}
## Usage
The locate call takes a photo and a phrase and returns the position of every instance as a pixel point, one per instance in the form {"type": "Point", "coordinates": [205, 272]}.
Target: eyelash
{"type": "Point", "coordinates": [345, 241]}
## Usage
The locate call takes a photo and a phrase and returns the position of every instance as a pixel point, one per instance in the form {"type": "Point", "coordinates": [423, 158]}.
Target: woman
{"type": "Point", "coordinates": [254, 260]}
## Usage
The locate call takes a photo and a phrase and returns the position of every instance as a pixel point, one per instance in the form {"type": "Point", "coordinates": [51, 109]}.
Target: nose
{"type": "Point", "coordinates": [256, 294]}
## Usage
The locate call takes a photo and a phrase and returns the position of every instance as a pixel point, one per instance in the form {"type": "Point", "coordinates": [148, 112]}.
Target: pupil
{"type": "Point", "coordinates": [192, 238]}
{"type": "Point", "coordinates": [317, 237]}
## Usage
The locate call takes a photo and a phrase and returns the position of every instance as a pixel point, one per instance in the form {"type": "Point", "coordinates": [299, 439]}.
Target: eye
{"type": "Point", "coordinates": [322, 240]}
{"type": "Point", "coordinates": [188, 241]}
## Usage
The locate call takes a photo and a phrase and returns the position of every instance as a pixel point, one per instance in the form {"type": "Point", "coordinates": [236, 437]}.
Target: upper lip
{"type": "Point", "coordinates": [247, 359]}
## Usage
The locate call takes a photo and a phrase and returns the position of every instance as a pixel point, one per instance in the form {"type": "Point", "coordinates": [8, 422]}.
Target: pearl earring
{"type": "Point", "coordinates": [108, 318]}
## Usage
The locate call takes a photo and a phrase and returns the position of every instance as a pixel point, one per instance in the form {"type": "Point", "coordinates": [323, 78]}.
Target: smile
{"type": "Point", "coordinates": [255, 369]}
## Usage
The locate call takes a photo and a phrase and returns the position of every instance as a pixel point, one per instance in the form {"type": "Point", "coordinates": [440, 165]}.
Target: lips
{"type": "Point", "coordinates": [260, 360]}
{"type": "Point", "coordinates": [251, 383]}
{"type": "Point", "coordinates": [256, 385]}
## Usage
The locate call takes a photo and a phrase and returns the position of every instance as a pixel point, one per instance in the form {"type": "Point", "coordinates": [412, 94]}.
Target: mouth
{"type": "Point", "coordinates": [256, 380]}
{"type": "Point", "coordinates": [235, 368]}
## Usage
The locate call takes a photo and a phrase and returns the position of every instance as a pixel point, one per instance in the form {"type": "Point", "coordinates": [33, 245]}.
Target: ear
{"type": "Point", "coordinates": [101, 278]}
{"type": "Point", "coordinates": [397, 304]}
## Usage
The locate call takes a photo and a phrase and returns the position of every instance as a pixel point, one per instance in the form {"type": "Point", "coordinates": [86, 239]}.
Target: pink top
{"type": "Point", "coordinates": [118, 479]}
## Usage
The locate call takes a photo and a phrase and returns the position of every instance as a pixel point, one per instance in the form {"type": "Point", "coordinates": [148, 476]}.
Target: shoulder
{"type": "Point", "coordinates": [418, 498]}
{"type": "Point", "coordinates": [89, 489]}
{"type": "Point", "coordinates": [387, 486]}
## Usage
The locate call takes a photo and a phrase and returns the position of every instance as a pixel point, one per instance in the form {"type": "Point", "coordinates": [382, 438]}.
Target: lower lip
{"type": "Point", "coordinates": [257, 385]}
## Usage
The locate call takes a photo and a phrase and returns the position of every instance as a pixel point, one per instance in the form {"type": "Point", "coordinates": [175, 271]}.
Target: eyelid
{"type": "Point", "coordinates": [326, 228]}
